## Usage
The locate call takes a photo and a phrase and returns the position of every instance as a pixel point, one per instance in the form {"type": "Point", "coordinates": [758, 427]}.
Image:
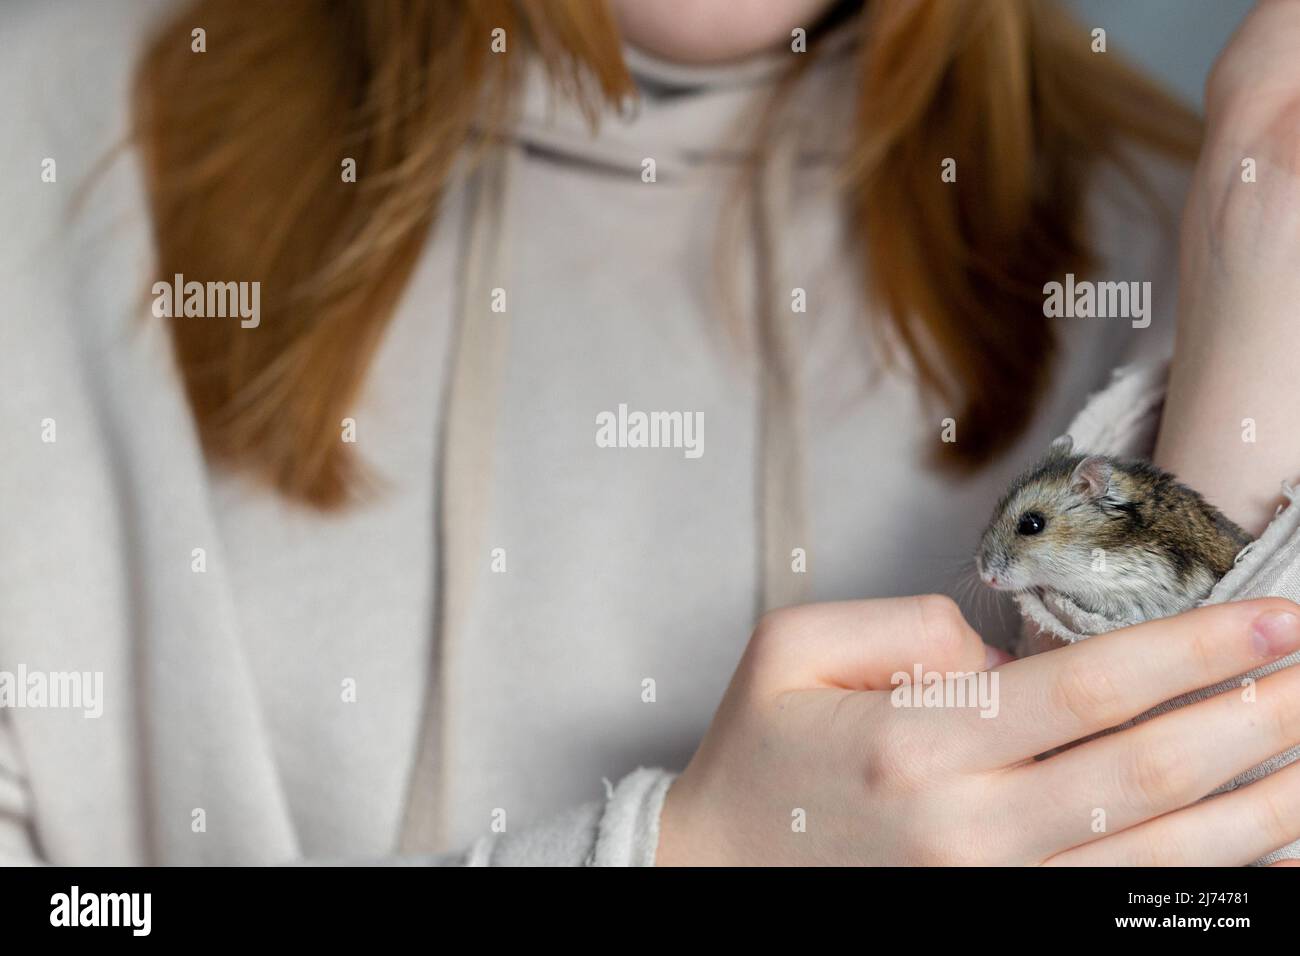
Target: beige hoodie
{"type": "Point", "coordinates": [529, 612]}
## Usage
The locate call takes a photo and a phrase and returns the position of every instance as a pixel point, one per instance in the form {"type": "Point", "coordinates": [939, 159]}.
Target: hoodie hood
{"type": "Point", "coordinates": [691, 116]}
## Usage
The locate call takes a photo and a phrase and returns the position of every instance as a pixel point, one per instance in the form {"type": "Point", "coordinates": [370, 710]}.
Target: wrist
{"type": "Point", "coordinates": [686, 837]}
{"type": "Point", "coordinates": [673, 848]}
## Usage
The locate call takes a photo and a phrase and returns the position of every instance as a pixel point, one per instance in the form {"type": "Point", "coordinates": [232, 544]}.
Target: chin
{"type": "Point", "coordinates": [713, 31]}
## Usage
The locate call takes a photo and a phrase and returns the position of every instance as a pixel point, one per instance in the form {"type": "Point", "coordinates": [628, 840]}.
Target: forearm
{"type": "Point", "coordinates": [1229, 427]}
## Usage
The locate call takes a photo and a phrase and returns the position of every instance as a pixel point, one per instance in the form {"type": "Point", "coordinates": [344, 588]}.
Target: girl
{"type": "Point", "coordinates": [344, 530]}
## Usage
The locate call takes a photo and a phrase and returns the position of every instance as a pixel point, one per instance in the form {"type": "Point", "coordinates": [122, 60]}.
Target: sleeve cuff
{"type": "Point", "coordinates": [628, 834]}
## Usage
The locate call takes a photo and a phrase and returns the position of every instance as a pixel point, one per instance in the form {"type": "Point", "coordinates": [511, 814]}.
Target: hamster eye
{"type": "Point", "coordinates": [1031, 522]}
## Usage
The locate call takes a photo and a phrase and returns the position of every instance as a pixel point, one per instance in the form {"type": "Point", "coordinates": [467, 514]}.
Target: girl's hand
{"type": "Point", "coordinates": [1229, 421]}
{"type": "Point", "coordinates": [807, 731]}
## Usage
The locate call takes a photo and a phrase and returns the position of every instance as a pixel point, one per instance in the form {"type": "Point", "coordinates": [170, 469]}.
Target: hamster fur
{"type": "Point", "coordinates": [1120, 538]}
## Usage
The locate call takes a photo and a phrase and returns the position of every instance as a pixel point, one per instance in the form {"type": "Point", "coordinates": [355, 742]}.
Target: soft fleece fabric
{"type": "Point", "coordinates": [224, 689]}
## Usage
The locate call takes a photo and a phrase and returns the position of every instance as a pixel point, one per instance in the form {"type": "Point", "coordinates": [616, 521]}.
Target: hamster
{"type": "Point", "coordinates": [1118, 538]}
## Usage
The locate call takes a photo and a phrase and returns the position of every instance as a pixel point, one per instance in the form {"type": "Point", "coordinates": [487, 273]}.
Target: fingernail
{"type": "Point", "coordinates": [1274, 633]}
{"type": "Point", "coordinates": [994, 656]}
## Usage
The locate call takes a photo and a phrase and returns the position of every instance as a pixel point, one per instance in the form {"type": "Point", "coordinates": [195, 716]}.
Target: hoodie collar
{"type": "Point", "coordinates": [691, 116]}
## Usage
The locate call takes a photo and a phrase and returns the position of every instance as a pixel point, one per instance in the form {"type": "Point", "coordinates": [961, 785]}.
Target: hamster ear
{"type": "Point", "coordinates": [1091, 477]}
{"type": "Point", "coordinates": [1061, 446]}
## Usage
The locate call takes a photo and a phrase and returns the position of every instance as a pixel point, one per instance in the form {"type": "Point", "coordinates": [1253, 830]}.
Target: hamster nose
{"type": "Point", "coordinates": [988, 576]}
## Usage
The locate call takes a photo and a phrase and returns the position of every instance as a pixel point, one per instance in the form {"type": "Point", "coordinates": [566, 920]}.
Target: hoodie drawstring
{"type": "Point", "coordinates": [465, 469]}
{"type": "Point", "coordinates": [781, 506]}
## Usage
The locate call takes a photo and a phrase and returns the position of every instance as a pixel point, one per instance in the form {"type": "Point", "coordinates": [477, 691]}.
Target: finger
{"type": "Point", "coordinates": [1156, 767]}
{"type": "Point", "coordinates": [1285, 863]}
{"type": "Point", "coordinates": [1234, 829]}
{"type": "Point", "coordinates": [1065, 695]}
{"type": "Point", "coordinates": [862, 645]}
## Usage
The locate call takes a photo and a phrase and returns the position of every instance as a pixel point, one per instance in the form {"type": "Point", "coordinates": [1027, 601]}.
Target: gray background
{"type": "Point", "coordinates": [1177, 40]}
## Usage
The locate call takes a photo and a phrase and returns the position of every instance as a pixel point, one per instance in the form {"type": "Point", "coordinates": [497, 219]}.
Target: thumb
{"type": "Point", "coordinates": [860, 645]}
